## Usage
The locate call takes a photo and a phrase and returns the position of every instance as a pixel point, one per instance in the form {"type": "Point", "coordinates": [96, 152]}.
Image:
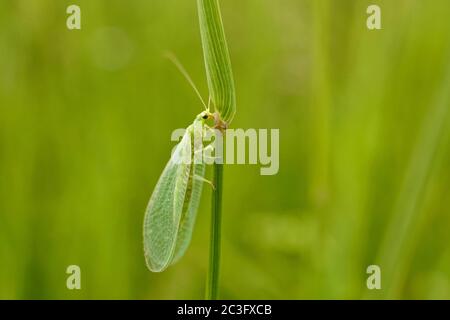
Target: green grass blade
{"type": "Point", "coordinates": [217, 59]}
{"type": "Point", "coordinates": [222, 93]}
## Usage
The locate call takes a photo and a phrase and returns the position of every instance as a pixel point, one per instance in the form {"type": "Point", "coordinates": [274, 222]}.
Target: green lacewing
{"type": "Point", "coordinates": [172, 209]}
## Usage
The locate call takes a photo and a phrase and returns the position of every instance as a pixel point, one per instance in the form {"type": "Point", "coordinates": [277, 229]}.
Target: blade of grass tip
{"type": "Point", "coordinates": [221, 90]}
{"type": "Point", "coordinates": [217, 59]}
{"type": "Point", "coordinates": [399, 240]}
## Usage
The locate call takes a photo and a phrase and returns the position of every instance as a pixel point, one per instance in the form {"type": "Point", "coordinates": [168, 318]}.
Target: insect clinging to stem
{"type": "Point", "coordinates": [171, 212]}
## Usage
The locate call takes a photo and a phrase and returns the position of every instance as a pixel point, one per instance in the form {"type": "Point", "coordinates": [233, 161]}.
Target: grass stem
{"type": "Point", "coordinates": [212, 284]}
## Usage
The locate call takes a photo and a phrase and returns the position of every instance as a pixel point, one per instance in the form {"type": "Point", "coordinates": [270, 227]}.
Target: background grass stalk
{"type": "Point", "coordinates": [401, 237]}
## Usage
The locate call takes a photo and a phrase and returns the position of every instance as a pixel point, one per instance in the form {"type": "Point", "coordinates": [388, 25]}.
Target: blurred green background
{"type": "Point", "coordinates": [85, 124]}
